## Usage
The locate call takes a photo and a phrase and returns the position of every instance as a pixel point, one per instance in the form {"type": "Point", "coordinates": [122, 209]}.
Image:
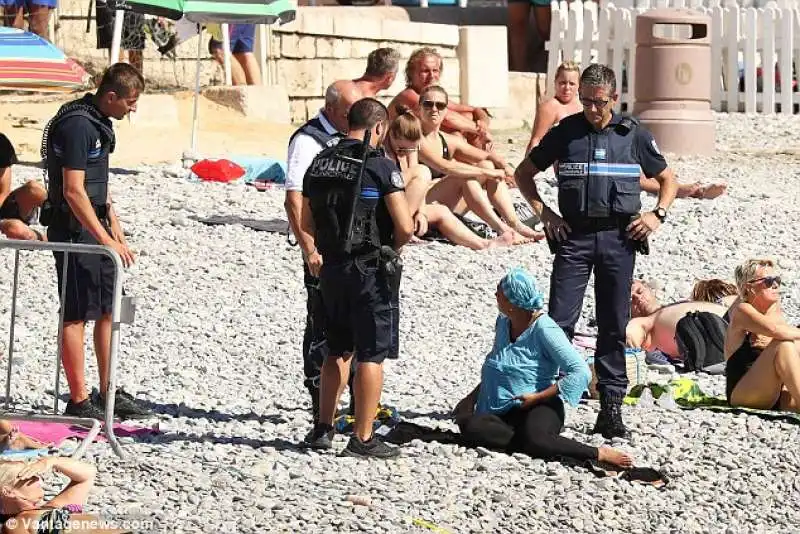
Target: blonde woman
{"type": "Point", "coordinates": [564, 103]}
{"type": "Point", "coordinates": [23, 508]}
{"type": "Point", "coordinates": [761, 351]}
{"type": "Point", "coordinates": [402, 146]}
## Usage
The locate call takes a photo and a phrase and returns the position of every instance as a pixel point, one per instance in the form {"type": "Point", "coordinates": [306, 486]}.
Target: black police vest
{"type": "Point", "coordinates": [599, 175]}
{"type": "Point", "coordinates": [332, 179]}
{"type": "Point", "coordinates": [96, 180]}
{"type": "Point", "coordinates": [316, 130]}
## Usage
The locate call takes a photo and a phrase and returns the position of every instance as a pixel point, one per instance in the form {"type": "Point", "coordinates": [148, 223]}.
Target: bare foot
{"type": "Point", "coordinates": [519, 239]}
{"type": "Point", "coordinates": [528, 232]}
{"type": "Point", "coordinates": [688, 190]}
{"type": "Point", "coordinates": [713, 190]}
{"type": "Point", "coordinates": [505, 239]}
{"type": "Point", "coordinates": [614, 457]}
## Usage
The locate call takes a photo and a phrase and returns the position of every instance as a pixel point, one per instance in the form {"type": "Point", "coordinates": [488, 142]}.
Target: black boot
{"type": "Point", "coordinates": [609, 420]}
{"type": "Point", "coordinates": [314, 392]}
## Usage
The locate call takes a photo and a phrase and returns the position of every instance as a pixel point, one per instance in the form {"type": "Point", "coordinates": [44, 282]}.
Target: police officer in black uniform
{"type": "Point", "coordinates": [354, 205]}
{"type": "Point", "coordinates": [76, 147]}
{"type": "Point", "coordinates": [599, 154]}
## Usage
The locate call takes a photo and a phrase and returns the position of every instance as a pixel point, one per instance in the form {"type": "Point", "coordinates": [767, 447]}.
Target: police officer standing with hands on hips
{"type": "Point", "coordinates": [76, 147]}
{"type": "Point", "coordinates": [354, 206]}
{"type": "Point", "coordinates": [599, 154]}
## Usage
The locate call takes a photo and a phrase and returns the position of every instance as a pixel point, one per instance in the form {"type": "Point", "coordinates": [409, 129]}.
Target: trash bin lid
{"type": "Point", "coordinates": [671, 25]}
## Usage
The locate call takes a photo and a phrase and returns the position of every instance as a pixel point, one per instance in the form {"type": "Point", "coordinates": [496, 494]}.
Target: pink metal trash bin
{"type": "Point", "coordinates": [672, 95]}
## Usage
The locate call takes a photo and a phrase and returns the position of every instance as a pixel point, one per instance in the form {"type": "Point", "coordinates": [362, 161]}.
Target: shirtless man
{"type": "Point", "coordinates": [424, 68]}
{"type": "Point", "coordinates": [653, 326]}
{"type": "Point", "coordinates": [565, 102]}
{"type": "Point", "coordinates": [17, 207]}
{"type": "Point", "coordinates": [382, 66]}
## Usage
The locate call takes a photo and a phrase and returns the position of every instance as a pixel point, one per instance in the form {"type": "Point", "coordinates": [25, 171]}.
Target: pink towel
{"type": "Point", "coordinates": [58, 432]}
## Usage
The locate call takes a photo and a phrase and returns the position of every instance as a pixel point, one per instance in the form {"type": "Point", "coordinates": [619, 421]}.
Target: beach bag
{"type": "Point", "coordinates": [700, 337]}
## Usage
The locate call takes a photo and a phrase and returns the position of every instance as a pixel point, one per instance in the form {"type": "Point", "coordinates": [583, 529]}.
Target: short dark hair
{"type": "Point", "coordinates": [122, 79]}
{"type": "Point", "coordinates": [599, 75]}
{"type": "Point", "coordinates": [382, 61]}
{"type": "Point", "coordinates": [366, 113]}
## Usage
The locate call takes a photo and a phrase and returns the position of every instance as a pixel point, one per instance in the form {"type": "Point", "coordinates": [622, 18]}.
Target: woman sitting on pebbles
{"type": "Point", "coordinates": [519, 404]}
{"type": "Point", "coordinates": [761, 349]}
{"type": "Point", "coordinates": [466, 178]}
{"type": "Point", "coordinates": [402, 146]}
{"type": "Point", "coordinates": [22, 505]}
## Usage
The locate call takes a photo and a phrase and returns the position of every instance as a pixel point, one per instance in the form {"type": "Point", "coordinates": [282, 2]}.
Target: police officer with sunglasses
{"type": "Point", "coordinates": [598, 156]}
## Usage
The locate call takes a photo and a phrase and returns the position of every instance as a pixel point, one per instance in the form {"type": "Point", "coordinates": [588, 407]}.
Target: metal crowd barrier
{"type": "Point", "coordinates": [116, 314]}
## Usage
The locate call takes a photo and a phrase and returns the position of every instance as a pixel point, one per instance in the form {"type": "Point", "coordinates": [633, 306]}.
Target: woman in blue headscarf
{"type": "Point", "coordinates": [519, 404]}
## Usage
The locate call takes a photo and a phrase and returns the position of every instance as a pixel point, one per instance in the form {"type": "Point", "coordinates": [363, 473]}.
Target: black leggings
{"type": "Point", "coordinates": [535, 432]}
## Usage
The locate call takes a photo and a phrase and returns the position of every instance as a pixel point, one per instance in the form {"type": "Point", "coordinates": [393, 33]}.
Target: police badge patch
{"type": "Point", "coordinates": [397, 179]}
{"type": "Point", "coordinates": [655, 146]}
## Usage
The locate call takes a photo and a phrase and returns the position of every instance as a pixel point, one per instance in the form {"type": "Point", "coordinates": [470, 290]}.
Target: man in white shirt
{"type": "Point", "coordinates": [325, 129]}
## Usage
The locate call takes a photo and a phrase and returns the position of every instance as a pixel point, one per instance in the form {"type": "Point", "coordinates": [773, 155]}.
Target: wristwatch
{"type": "Point", "coordinates": [661, 213]}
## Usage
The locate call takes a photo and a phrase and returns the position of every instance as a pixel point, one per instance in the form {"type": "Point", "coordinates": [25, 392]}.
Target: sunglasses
{"type": "Point", "coordinates": [430, 104]}
{"type": "Point", "coordinates": [589, 102]}
{"type": "Point", "coordinates": [407, 150]}
{"type": "Point", "coordinates": [769, 281]}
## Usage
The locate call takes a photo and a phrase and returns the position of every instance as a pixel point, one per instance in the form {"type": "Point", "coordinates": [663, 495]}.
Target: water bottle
{"type": "Point", "coordinates": [667, 401]}
{"type": "Point", "coordinates": [646, 400]}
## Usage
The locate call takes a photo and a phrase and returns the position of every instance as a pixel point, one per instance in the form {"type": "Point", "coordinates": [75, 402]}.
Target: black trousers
{"type": "Point", "coordinates": [315, 345]}
{"type": "Point", "coordinates": [535, 432]}
{"type": "Point", "coordinates": [612, 256]}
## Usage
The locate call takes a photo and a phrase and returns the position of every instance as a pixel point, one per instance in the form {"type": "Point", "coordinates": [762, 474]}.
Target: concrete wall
{"type": "Point", "coordinates": [327, 44]}
{"type": "Point", "coordinates": [322, 45]}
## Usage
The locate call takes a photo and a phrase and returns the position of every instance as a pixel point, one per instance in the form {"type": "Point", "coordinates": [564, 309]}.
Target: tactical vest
{"type": "Point", "coordinates": [316, 130]}
{"type": "Point", "coordinates": [96, 183]}
{"type": "Point", "coordinates": [599, 175]}
{"type": "Point", "coordinates": [333, 177]}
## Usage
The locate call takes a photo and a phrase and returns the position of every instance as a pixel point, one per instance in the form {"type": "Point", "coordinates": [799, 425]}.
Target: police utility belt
{"type": "Point", "coordinates": [62, 217]}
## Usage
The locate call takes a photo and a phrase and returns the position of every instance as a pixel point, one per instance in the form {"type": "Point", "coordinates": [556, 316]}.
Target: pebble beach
{"type": "Point", "coordinates": [215, 350]}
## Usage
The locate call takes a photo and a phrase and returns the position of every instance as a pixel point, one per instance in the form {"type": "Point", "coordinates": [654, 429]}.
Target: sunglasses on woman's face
{"type": "Point", "coordinates": [769, 281]}
{"type": "Point", "coordinates": [430, 104]}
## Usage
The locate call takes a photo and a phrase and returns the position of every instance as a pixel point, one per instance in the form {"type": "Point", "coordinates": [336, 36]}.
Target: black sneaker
{"type": "Point", "coordinates": [85, 409]}
{"type": "Point", "coordinates": [125, 406]}
{"type": "Point", "coordinates": [372, 448]}
{"type": "Point", "coordinates": [609, 420]}
{"type": "Point", "coordinates": [320, 437]}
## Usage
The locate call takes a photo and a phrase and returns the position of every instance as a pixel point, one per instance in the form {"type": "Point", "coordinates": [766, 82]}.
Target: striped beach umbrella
{"type": "Point", "coordinates": [28, 62]}
{"type": "Point", "coordinates": [205, 11]}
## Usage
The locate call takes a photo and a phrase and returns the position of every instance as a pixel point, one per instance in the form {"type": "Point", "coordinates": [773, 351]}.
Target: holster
{"type": "Point", "coordinates": [391, 265]}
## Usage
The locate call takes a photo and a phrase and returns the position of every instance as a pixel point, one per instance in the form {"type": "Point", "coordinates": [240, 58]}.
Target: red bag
{"type": "Point", "coordinates": [219, 170]}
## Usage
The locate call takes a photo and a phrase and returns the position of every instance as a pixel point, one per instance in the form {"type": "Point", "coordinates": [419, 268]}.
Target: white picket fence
{"type": "Point", "coordinates": [744, 41]}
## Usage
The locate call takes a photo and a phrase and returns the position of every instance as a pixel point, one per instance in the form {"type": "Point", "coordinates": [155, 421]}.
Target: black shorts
{"type": "Point", "coordinates": [359, 310]}
{"type": "Point", "coordinates": [90, 278]}
{"type": "Point", "coordinates": [10, 209]}
{"type": "Point", "coordinates": [133, 36]}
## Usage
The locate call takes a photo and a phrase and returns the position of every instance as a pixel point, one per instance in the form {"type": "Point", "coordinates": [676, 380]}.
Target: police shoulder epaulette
{"type": "Point", "coordinates": [628, 124]}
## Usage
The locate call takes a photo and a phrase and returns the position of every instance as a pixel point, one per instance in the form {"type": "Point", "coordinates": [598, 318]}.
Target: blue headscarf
{"type": "Point", "coordinates": [519, 287]}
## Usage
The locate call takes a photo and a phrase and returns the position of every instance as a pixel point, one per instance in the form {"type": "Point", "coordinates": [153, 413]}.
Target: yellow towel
{"type": "Point", "coordinates": [215, 30]}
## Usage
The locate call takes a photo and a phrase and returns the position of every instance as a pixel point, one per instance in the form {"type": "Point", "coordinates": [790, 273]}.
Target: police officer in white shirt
{"type": "Point", "coordinates": [324, 130]}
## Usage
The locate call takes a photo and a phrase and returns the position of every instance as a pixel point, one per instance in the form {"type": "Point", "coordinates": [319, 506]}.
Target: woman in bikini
{"type": "Point", "coordinates": [565, 102]}
{"type": "Point", "coordinates": [466, 178]}
{"type": "Point", "coordinates": [761, 348]}
{"type": "Point", "coordinates": [402, 146]}
{"type": "Point", "coordinates": [23, 509]}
